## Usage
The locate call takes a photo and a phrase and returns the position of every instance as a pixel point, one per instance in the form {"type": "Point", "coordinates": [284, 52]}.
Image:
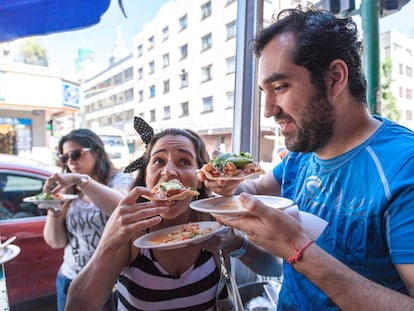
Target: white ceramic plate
{"type": "Point", "coordinates": [150, 240]}
{"type": "Point", "coordinates": [230, 206]}
{"type": "Point", "coordinates": [9, 253]}
{"type": "Point", "coordinates": [65, 197]}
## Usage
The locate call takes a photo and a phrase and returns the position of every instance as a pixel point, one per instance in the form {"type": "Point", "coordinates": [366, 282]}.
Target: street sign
{"type": "Point", "coordinates": [71, 95]}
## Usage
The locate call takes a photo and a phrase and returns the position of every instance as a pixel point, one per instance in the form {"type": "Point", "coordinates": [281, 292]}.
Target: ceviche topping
{"type": "Point", "coordinates": [186, 232]}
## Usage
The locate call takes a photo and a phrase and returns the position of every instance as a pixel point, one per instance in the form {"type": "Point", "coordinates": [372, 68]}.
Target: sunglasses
{"type": "Point", "coordinates": [74, 155]}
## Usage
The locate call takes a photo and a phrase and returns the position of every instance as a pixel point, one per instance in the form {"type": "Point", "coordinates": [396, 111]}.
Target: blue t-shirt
{"type": "Point", "coordinates": [367, 196]}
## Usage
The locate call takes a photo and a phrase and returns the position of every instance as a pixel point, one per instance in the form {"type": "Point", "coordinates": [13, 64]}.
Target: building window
{"type": "Point", "coordinates": [408, 93]}
{"type": "Point", "coordinates": [183, 51]}
{"type": "Point", "coordinates": [166, 86]}
{"type": "Point", "coordinates": [206, 10]}
{"type": "Point", "coordinates": [151, 67]}
{"type": "Point", "coordinates": [140, 96]}
{"type": "Point", "coordinates": [184, 109]}
{"type": "Point", "coordinates": [151, 42]}
{"type": "Point", "coordinates": [409, 71]}
{"type": "Point", "coordinates": [206, 42]}
{"type": "Point", "coordinates": [128, 73]}
{"type": "Point", "coordinates": [206, 73]}
{"type": "Point", "coordinates": [397, 48]}
{"type": "Point", "coordinates": [152, 91]}
{"type": "Point", "coordinates": [140, 73]}
{"type": "Point", "coordinates": [118, 78]}
{"type": "Point", "coordinates": [166, 60]}
{"type": "Point", "coordinates": [400, 91]}
{"type": "Point", "coordinates": [183, 22]}
{"type": "Point", "coordinates": [231, 30]}
{"type": "Point", "coordinates": [129, 94]}
{"type": "Point", "coordinates": [387, 51]}
{"type": "Point", "coordinates": [152, 115]}
{"type": "Point", "coordinates": [119, 99]}
{"type": "Point", "coordinates": [139, 49]}
{"type": "Point", "coordinates": [183, 78]}
{"type": "Point", "coordinates": [231, 64]}
{"type": "Point", "coordinates": [165, 33]}
{"type": "Point", "coordinates": [167, 112]}
{"type": "Point", "coordinates": [408, 115]}
{"type": "Point", "coordinates": [400, 69]}
{"type": "Point", "coordinates": [230, 99]}
{"type": "Point", "coordinates": [208, 104]}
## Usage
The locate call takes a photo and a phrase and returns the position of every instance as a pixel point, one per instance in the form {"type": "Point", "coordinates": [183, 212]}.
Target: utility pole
{"type": "Point", "coordinates": [369, 11]}
{"type": "Point", "coordinates": [246, 120]}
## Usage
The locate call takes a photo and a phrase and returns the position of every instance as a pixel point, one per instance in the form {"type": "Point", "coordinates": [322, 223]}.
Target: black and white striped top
{"type": "Point", "coordinates": [145, 285]}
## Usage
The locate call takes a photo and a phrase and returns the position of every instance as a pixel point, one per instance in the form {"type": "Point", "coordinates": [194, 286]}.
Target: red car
{"type": "Point", "coordinates": [30, 276]}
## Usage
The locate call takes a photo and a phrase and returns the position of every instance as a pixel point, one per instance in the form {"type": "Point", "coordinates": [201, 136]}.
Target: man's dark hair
{"type": "Point", "coordinates": [321, 37]}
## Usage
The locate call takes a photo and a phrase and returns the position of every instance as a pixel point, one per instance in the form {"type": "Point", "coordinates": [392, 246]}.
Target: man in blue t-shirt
{"type": "Point", "coordinates": [354, 170]}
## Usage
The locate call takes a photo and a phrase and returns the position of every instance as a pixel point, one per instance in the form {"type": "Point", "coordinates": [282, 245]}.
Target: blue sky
{"type": "Point", "coordinates": [63, 47]}
{"type": "Point", "coordinates": [401, 21]}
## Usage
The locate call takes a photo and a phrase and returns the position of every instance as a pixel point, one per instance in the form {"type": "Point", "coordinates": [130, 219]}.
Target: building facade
{"type": "Point", "coordinates": [400, 49]}
{"type": "Point", "coordinates": [183, 75]}
{"type": "Point", "coordinates": [34, 103]}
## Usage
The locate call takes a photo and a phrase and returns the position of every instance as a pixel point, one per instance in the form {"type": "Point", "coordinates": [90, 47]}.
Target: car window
{"type": "Point", "coordinates": [16, 183]}
{"type": "Point", "coordinates": [13, 188]}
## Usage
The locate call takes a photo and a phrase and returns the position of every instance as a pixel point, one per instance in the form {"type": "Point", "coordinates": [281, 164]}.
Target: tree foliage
{"type": "Point", "coordinates": [31, 51]}
{"type": "Point", "coordinates": [388, 101]}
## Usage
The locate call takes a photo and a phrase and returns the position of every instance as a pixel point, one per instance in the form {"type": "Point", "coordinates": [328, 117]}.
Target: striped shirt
{"type": "Point", "coordinates": [145, 285]}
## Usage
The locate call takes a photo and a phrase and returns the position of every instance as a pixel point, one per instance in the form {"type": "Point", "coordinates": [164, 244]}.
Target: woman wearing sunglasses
{"type": "Point", "coordinates": [185, 278]}
{"type": "Point", "coordinates": [88, 172]}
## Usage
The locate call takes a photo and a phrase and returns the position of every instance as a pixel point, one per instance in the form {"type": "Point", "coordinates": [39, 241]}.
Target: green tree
{"type": "Point", "coordinates": [31, 51]}
{"type": "Point", "coordinates": [388, 101]}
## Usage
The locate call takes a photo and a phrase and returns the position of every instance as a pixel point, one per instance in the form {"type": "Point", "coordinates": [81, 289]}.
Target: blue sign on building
{"type": "Point", "coordinates": [15, 121]}
{"type": "Point", "coordinates": [71, 96]}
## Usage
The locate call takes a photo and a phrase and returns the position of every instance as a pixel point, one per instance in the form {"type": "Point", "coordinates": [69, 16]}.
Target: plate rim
{"type": "Point", "coordinates": [179, 244]}
{"type": "Point", "coordinates": [15, 251]}
{"type": "Point", "coordinates": [69, 197]}
{"type": "Point", "coordinates": [233, 212]}
{"type": "Point", "coordinates": [234, 177]}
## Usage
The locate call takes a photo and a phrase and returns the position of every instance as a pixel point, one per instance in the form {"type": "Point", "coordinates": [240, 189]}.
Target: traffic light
{"type": "Point", "coordinates": [49, 126]}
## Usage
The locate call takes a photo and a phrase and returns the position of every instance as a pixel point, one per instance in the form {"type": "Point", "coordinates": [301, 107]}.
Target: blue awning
{"type": "Point", "coordinates": [24, 18]}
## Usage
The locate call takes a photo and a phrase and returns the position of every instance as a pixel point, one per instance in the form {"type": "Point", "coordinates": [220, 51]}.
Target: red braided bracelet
{"type": "Point", "coordinates": [299, 252]}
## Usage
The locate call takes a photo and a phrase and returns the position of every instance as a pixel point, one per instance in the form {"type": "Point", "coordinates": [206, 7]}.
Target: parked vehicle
{"type": "Point", "coordinates": [115, 146]}
{"type": "Point", "coordinates": [30, 277]}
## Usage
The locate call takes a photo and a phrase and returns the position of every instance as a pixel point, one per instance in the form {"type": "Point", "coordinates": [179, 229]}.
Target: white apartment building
{"type": "Point", "coordinates": [109, 97]}
{"type": "Point", "coordinates": [400, 48]}
{"type": "Point", "coordinates": [183, 75]}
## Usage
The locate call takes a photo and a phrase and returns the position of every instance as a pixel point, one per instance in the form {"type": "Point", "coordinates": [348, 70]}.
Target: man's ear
{"type": "Point", "coordinates": [337, 78]}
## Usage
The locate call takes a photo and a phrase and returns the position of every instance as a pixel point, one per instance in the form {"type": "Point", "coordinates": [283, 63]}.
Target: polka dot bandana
{"type": "Point", "coordinates": [146, 132]}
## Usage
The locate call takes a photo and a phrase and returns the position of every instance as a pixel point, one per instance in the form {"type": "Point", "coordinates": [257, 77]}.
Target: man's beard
{"type": "Point", "coordinates": [316, 128]}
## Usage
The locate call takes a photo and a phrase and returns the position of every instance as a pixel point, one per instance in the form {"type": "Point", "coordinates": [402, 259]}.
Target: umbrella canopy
{"type": "Point", "coordinates": [24, 18]}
